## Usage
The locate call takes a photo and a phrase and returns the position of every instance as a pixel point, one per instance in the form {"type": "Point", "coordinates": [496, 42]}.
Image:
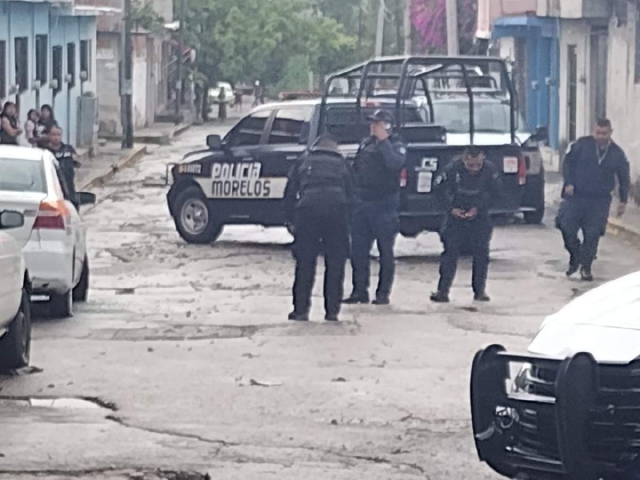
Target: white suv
{"type": "Point", "coordinates": [56, 251]}
{"type": "Point", "coordinates": [15, 314]}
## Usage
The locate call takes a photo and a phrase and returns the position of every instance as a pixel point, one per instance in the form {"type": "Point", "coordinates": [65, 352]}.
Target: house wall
{"type": "Point", "coordinates": [623, 94]}
{"type": "Point", "coordinates": [108, 83]}
{"type": "Point", "coordinates": [575, 32]}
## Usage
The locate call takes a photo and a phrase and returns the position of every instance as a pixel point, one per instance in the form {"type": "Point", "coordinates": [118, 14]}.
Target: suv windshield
{"type": "Point", "coordinates": [489, 117]}
{"type": "Point", "coordinates": [17, 175]}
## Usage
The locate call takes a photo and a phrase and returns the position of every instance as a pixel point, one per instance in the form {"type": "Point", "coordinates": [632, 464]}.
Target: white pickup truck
{"type": "Point", "coordinates": [15, 313]}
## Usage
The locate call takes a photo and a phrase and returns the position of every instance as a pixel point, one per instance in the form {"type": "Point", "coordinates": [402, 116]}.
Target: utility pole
{"type": "Point", "coordinates": [380, 29]}
{"type": "Point", "coordinates": [407, 27]}
{"type": "Point", "coordinates": [126, 87]}
{"type": "Point", "coordinates": [180, 81]}
{"type": "Point", "coordinates": [452, 28]}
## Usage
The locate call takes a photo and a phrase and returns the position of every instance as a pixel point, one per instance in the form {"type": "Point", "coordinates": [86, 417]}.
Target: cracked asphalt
{"type": "Point", "coordinates": [185, 353]}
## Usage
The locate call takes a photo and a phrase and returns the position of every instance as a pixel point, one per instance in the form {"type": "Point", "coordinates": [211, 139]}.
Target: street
{"type": "Point", "coordinates": [187, 364]}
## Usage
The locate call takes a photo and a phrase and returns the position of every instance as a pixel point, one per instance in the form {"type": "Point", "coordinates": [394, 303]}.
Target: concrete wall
{"type": "Point", "coordinates": [27, 19]}
{"type": "Point", "coordinates": [107, 65]}
{"type": "Point", "coordinates": [575, 32]}
{"type": "Point", "coordinates": [623, 94]}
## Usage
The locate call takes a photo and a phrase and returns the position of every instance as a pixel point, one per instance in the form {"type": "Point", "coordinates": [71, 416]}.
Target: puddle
{"type": "Point", "coordinates": [68, 403]}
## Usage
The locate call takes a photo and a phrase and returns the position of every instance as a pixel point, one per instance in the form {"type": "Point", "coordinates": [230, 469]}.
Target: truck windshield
{"type": "Point", "coordinates": [493, 117]}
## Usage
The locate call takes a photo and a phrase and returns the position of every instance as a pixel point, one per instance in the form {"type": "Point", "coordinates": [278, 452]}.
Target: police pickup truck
{"type": "Point", "coordinates": [240, 179]}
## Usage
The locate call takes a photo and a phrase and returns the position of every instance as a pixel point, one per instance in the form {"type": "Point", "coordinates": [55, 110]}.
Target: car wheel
{"type": "Point", "coordinates": [61, 305]}
{"type": "Point", "coordinates": [15, 345]}
{"type": "Point", "coordinates": [194, 218]}
{"type": "Point", "coordinates": [81, 291]}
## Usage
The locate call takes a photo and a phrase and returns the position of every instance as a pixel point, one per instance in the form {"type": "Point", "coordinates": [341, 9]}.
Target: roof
{"type": "Point", "coordinates": [311, 102]}
{"type": "Point", "coordinates": [21, 153]}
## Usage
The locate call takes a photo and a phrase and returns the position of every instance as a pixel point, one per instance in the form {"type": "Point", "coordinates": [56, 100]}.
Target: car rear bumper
{"type": "Point", "coordinates": [557, 419]}
{"type": "Point", "coordinates": [50, 266]}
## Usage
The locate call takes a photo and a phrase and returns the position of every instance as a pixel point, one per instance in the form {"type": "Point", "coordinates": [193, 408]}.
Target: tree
{"type": "Point", "coordinates": [430, 21]}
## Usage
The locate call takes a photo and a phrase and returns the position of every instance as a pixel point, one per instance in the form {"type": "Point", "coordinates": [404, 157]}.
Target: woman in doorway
{"type": "Point", "coordinates": [9, 130]}
{"type": "Point", "coordinates": [45, 123]}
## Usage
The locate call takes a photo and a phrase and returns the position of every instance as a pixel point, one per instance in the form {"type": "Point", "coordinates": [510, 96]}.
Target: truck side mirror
{"type": "Point", "coordinates": [214, 142]}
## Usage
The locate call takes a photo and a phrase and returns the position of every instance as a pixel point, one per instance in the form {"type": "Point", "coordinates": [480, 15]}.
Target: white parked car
{"type": "Point", "coordinates": [229, 95]}
{"type": "Point", "coordinates": [56, 250]}
{"type": "Point", "coordinates": [15, 313]}
{"type": "Point", "coordinates": [570, 407]}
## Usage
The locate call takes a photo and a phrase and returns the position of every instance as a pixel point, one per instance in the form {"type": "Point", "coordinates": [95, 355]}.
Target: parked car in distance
{"type": "Point", "coordinates": [15, 313]}
{"type": "Point", "coordinates": [214, 93]}
{"type": "Point", "coordinates": [570, 404]}
{"type": "Point", "coordinates": [55, 248]}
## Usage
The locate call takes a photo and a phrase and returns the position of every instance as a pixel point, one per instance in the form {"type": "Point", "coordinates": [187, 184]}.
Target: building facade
{"type": "Point", "coordinates": [47, 56]}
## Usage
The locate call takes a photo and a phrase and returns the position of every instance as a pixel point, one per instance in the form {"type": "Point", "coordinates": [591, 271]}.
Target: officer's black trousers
{"type": "Point", "coordinates": [456, 234]}
{"type": "Point", "coordinates": [314, 233]}
{"type": "Point", "coordinates": [589, 215]}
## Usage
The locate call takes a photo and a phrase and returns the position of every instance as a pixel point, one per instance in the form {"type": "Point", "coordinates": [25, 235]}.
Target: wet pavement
{"type": "Point", "coordinates": [187, 367]}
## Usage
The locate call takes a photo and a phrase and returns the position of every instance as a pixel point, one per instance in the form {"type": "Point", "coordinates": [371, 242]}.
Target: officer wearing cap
{"type": "Point", "coordinates": [377, 169]}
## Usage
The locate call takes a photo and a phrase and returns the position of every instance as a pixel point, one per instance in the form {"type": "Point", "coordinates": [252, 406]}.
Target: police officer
{"type": "Point", "coordinates": [377, 174]}
{"type": "Point", "coordinates": [318, 197]}
{"type": "Point", "coordinates": [589, 171]}
{"type": "Point", "coordinates": [66, 156]}
{"type": "Point", "coordinates": [468, 187]}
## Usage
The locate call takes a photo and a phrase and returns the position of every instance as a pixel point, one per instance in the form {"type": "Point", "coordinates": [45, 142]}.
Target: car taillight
{"type": "Point", "coordinates": [522, 171]}
{"type": "Point", "coordinates": [51, 215]}
{"type": "Point", "coordinates": [403, 178]}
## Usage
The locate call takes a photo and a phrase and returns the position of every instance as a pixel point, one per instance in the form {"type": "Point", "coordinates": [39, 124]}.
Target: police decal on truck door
{"type": "Point", "coordinates": [243, 181]}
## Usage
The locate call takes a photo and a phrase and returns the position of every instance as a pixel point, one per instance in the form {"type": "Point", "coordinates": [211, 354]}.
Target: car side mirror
{"type": "Point", "coordinates": [86, 198]}
{"type": "Point", "coordinates": [542, 133]}
{"type": "Point", "coordinates": [214, 142]}
{"type": "Point", "coordinates": [11, 219]}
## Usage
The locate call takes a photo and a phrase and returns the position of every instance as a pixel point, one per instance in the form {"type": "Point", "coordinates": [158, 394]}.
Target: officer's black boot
{"type": "Point", "coordinates": [356, 298]}
{"type": "Point", "coordinates": [440, 297]}
{"type": "Point", "coordinates": [481, 297]}
{"type": "Point", "coordinates": [299, 317]}
{"type": "Point", "coordinates": [585, 274]}
{"type": "Point", "coordinates": [574, 266]}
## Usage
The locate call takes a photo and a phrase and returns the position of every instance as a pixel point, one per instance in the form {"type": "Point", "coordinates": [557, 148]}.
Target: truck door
{"type": "Point", "coordinates": [286, 141]}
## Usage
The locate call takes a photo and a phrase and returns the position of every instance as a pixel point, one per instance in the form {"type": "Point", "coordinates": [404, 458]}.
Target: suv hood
{"type": "Point", "coordinates": [604, 322]}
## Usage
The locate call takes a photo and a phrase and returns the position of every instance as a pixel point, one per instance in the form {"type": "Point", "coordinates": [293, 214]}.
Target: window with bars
{"type": "Point", "coordinates": [71, 63]}
{"type": "Point", "coordinates": [3, 69]}
{"type": "Point", "coordinates": [22, 63]}
{"type": "Point", "coordinates": [56, 67]}
{"type": "Point", "coordinates": [85, 58]}
{"type": "Point", "coordinates": [42, 51]}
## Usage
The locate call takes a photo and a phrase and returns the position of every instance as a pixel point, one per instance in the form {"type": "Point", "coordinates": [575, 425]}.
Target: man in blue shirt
{"type": "Point", "coordinates": [590, 171]}
{"type": "Point", "coordinates": [377, 177]}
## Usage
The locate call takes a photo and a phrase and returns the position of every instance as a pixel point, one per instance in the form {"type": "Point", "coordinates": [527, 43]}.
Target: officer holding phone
{"type": "Point", "coordinates": [377, 169]}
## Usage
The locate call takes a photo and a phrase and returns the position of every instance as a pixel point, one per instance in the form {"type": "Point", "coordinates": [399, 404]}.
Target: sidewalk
{"type": "Point", "coordinates": [627, 227]}
{"type": "Point", "coordinates": [159, 134]}
{"type": "Point", "coordinates": [106, 163]}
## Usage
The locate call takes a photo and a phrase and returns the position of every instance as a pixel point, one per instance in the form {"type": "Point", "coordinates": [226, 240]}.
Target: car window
{"type": "Point", "coordinates": [291, 125]}
{"type": "Point", "coordinates": [489, 117]}
{"type": "Point", "coordinates": [17, 175]}
{"type": "Point", "coordinates": [249, 131]}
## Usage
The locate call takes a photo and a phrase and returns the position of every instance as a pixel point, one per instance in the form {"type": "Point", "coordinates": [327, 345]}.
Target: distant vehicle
{"type": "Point", "coordinates": [570, 408]}
{"type": "Point", "coordinates": [53, 233]}
{"type": "Point", "coordinates": [15, 313]}
{"type": "Point", "coordinates": [229, 95]}
{"type": "Point", "coordinates": [240, 179]}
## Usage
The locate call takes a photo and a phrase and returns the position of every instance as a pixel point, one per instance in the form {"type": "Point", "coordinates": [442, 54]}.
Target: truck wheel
{"type": "Point", "coordinates": [61, 304]}
{"type": "Point", "coordinates": [535, 217]}
{"type": "Point", "coordinates": [194, 219]}
{"type": "Point", "coordinates": [15, 345]}
{"type": "Point", "coordinates": [81, 291]}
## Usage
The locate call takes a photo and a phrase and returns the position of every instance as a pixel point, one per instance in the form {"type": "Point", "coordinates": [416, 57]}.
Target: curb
{"type": "Point", "coordinates": [618, 228]}
{"type": "Point", "coordinates": [136, 153]}
{"type": "Point", "coordinates": [181, 129]}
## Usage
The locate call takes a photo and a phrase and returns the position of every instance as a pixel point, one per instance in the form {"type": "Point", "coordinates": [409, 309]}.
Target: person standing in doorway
{"type": "Point", "coordinates": [590, 170]}
{"type": "Point", "coordinates": [9, 129]}
{"type": "Point", "coordinates": [468, 188]}
{"type": "Point", "coordinates": [377, 175]}
{"type": "Point", "coordinates": [318, 197]}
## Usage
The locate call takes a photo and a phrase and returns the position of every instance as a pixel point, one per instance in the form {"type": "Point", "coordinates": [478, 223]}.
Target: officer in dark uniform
{"type": "Point", "coordinates": [66, 156]}
{"type": "Point", "coordinates": [318, 199]}
{"type": "Point", "coordinates": [377, 174]}
{"type": "Point", "coordinates": [468, 187]}
{"type": "Point", "coordinates": [589, 171]}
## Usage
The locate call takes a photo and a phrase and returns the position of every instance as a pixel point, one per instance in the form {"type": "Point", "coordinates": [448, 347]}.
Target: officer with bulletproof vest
{"type": "Point", "coordinates": [468, 188]}
{"type": "Point", "coordinates": [377, 169]}
{"type": "Point", "coordinates": [67, 161]}
{"type": "Point", "coordinates": [590, 170]}
{"type": "Point", "coordinates": [318, 198]}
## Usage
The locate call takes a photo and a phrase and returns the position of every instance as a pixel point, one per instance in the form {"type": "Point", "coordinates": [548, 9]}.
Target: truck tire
{"type": "Point", "coordinates": [15, 345]}
{"type": "Point", "coordinates": [536, 216]}
{"type": "Point", "coordinates": [194, 220]}
{"type": "Point", "coordinates": [61, 304]}
{"type": "Point", "coordinates": [81, 291]}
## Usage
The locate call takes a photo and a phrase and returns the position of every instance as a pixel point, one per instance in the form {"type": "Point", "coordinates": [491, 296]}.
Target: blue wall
{"type": "Point", "coordinates": [543, 64]}
{"type": "Point", "coordinates": [28, 19]}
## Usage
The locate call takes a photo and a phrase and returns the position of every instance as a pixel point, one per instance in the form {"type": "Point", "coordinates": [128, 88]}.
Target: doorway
{"type": "Point", "coordinates": [572, 92]}
{"type": "Point", "coordinates": [599, 66]}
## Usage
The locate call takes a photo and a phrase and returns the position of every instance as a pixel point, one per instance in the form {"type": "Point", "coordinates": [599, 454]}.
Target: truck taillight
{"type": "Point", "coordinates": [51, 215]}
{"type": "Point", "coordinates": [403, 178]}
{"type": "Point", "coordinates": [522, 171]}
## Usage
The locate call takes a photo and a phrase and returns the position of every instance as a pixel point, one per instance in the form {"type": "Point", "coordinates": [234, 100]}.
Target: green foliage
{"type": "Point", "coordinates": [295, 75]}
{"type": "Point", "coordinates": [144, 16]}
{"type": "Point", "coordinates": [243, 40]}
